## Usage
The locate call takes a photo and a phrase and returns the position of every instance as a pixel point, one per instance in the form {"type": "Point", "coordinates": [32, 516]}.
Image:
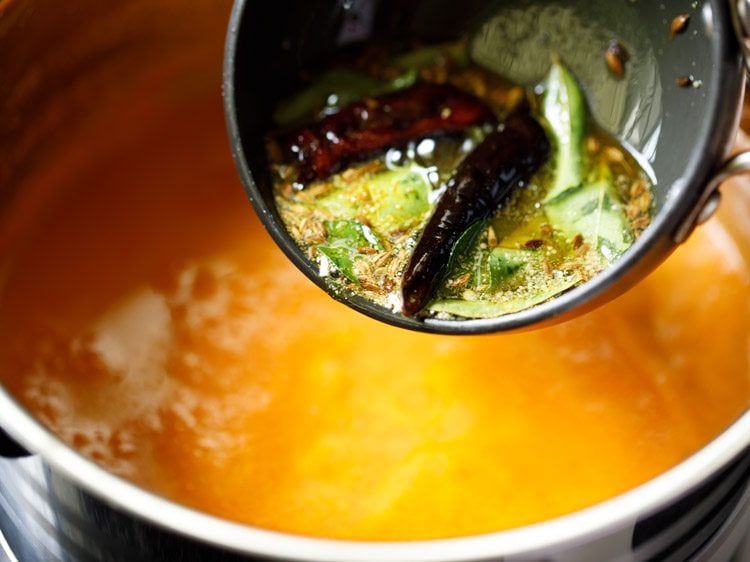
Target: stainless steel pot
{"type": "Point", "coordinates": [57, 505]}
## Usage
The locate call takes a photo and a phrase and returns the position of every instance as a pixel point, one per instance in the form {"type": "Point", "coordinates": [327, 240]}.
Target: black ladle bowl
{"type": "Point", "coordinates": [683, 134]}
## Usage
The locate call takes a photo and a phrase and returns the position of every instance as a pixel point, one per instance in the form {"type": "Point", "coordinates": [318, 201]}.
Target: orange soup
{"type": "Point", "coordinates": [147, 318]}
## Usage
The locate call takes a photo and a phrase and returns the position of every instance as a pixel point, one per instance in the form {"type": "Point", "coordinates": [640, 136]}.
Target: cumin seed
{"type": "Point", "coordinates": [593, 145]}
{"type": "Point", "coordinates": [381, 259]}
{"type": "Point", "coordinates": [637, 188]}
{"type": "Point", "coordinates": [547, 268]}
{"type": "Point", "coordinates": [632, 210]}
{"type": "Point", "coordinates": [614, 155]}
{"type": "Point", "coordinates": [491, 237]}
{"type": "Point", "coordinates": [460, 281]}
{"type": "Point", "coordinates": [370, 286]}
{"type": "Point", "coordinates": [616, 56]}
{"type": "Point", "coordinates": [533, 244]}
{"type": "Point", "coordinates": [679, 24]}
{"type": "Point", "coordinates": [583, 249]}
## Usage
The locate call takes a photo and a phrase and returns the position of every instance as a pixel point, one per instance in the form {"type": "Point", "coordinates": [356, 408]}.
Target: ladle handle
{"type": "Point", "coordinates": [737, 164]}
{"type": "Point", "coordinates": [711, 196]}
{"type": "Point", "coordinates": [9, 449]}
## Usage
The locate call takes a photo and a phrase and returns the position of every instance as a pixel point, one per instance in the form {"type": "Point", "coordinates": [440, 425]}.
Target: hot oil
{"type": "Point", "coordinates": [518, 38]}
{"type": "Point", "coordinates": [521, 223]}
{"type": "Point", "coordinates": [558, 262]}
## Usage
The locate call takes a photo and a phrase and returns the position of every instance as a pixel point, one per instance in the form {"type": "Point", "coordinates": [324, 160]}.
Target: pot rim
{"type": "Point", "coordinates": [561, 532]}
{"type": "Point", "coordinates": [558, 533]}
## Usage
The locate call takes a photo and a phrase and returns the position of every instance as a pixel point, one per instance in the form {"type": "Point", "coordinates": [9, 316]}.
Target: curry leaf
{"type": "Point", "coordinates": [399, 198]}
{"type": "Point", "coordinates": [455, 53]}
{"type": "Point", "coordinates": [461, 256]}
{"type": "Point", "coordinates": [507, 267]}
{"type": "Point", "coordinates": [335, 89]}
{"type": "Point", "coordinates": [390, 200]}
{"type": "Point", "coordinates": [344, 240]}
{"type": "Point", "coordinates": [595, 212]}
{"type": "Point", "coordinates": [574, 206]}
{"type": "Point", "coordinates": [492, 308]}
{"type": "Point", "coordinates": [564, 110]}
{"type": "Point", "coordinates": [338, 87]}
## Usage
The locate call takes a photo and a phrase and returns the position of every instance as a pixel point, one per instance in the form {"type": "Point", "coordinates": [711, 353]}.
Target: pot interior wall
{"type": "Point", "coordinates": [60, 65]}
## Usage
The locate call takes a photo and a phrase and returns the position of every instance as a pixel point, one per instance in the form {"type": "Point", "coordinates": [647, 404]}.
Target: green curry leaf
{"type": "Point", "coordinates": [335, 89]}
{"type": "Point", "coordinates": [564, 109]}
{"type": "Point", "coordinates": [508, 267]}
{"type": "Point", "coordinates": [390, 200]}
{"type": "Point", "coordinates": [594, 211]}
{"type": "Point", "coordinates": [399, 198]}
{"type": "Point", "coordinates": [573, 205]}
{"type": "Point", "coordinates": [417, 59]}
{"type": "Point", "coordinates": [491, 308]}
{"type": "Point", "coordinates": [461, 256]}
{"type": "Point", "coordinates": [344, 239]}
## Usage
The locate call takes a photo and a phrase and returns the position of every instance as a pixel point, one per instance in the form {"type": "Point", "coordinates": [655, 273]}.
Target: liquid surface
{"type": "Point", "coordinates": [147, 318]}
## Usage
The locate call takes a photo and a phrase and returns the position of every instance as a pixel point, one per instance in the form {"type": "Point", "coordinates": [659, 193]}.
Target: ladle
{"type": "Point", "coordinates": [683, 134]}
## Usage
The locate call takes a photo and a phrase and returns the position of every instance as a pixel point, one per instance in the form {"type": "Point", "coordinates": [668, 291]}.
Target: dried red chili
{"type": "Point", "coordinates": [363, 129]}
{"type": "Point", "coordinates": [479, 186]}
